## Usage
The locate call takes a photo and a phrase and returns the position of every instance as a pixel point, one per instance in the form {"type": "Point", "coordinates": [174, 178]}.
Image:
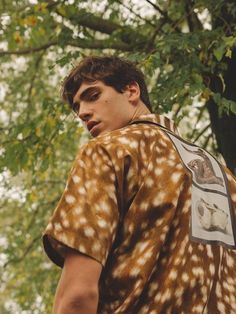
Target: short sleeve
{"type": "Point", "coordinates": [87, 214]}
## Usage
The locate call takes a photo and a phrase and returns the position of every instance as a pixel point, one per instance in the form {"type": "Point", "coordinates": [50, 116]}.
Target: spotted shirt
{"type": "Point", "coordinates": [127, 204]}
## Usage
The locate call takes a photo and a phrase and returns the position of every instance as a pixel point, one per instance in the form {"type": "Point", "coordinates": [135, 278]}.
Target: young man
{"type": "Point", "coordinates": [146, 223]}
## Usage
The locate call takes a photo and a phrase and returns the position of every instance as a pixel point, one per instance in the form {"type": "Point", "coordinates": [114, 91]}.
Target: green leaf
{"type": "Point", "coordinates": [233, 107]}
{"type": "Point", "coordinates": [219, 52]}
{"type": "Point", "coordinates": [26, 131]}
{"type": "Point", "coordinates": [64, 60]}
{"type": "Point", "coordinates": [228, 53]}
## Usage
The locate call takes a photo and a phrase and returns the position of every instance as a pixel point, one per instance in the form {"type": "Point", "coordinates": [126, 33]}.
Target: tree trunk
{"type": "Point", "coordinates": [224, 126]}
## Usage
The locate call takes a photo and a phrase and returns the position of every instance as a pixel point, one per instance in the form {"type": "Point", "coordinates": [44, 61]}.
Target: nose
{"type": "Point", "coordinates": [84, 112]}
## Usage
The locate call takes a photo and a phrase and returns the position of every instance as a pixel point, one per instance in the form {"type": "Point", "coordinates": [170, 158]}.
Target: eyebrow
{"type": "Point", "coordinates": [85, 94]}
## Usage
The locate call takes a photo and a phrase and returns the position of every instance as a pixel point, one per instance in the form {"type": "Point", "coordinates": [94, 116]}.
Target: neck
{"type": "Point", "coordinates": [139, 111]}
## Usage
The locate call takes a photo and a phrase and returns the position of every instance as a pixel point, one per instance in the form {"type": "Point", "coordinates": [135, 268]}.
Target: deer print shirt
{"type": "Point", "coordinates": [128, 204]}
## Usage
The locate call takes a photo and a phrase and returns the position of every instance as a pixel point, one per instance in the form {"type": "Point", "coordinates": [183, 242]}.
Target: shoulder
{"type": "Point", "coordinates": [124, 137]}
{"type": "Point", "coordinates": [133, 140]}
{"type": "Point", "coordinates": [107, 142]}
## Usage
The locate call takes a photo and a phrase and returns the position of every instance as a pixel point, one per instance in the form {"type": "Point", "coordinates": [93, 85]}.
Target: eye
{"type": "Point", "coordinates": [94, 96]}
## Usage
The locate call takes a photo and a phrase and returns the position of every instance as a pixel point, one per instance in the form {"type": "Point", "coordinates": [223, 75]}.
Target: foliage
{"type": "Point", "coordinates": [180, 46]}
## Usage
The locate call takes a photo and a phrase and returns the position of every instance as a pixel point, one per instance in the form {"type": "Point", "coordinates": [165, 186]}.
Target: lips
{"type": "Point", "coordinates": [92, 127]}
{"type": "Point", "coordinates": [91, 124]}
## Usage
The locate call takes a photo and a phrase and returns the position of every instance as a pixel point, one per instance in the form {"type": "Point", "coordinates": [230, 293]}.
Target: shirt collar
{"type": "Point", "coordinates": [162, 120]}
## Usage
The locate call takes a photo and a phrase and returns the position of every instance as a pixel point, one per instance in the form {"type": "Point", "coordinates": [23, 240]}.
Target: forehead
{"type": "Point", "coordinates": [84, 86]}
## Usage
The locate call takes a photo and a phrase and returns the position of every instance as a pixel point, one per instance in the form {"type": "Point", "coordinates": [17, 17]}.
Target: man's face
{"type": "Point", "coordinates": [102, 108]}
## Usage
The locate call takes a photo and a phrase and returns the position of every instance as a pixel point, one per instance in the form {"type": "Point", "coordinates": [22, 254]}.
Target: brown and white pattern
{"type": "Point", "coordinates": [212, 217]}
{"type": "Point", "coordinates": [127, 204]}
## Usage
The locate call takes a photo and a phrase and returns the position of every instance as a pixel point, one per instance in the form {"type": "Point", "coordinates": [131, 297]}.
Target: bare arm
{"type": "Point", "coordinates": [77, 291]}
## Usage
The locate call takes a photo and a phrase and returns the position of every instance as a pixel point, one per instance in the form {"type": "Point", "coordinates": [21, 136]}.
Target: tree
{"type": "Point", "coordinates": [187, 51]}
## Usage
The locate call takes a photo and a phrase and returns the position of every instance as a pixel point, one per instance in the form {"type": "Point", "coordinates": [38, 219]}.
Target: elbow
{"type": "Point", "coordinates": [84, 301]}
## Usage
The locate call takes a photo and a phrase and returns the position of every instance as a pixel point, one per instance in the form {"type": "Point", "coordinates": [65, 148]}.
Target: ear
{"type": "Point", "coordinates": [132, 90]}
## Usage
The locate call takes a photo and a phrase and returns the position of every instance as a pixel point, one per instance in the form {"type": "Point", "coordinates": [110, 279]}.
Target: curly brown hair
{"type": "Point", "coordinates": [112, 71]}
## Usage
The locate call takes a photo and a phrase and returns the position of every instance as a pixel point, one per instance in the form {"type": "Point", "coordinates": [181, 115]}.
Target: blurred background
{"type": "Point", "coordinates": [187, 50]}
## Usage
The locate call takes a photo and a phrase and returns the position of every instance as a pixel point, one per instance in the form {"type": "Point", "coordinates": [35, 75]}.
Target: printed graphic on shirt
{"type": "Point", "coordinates": [203, 168]}
{"type": "Point", "coordinates": [212, 217]}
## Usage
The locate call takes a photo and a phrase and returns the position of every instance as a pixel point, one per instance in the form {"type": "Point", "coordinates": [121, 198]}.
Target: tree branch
{"type": "Point", "coordinates": [206, 141]}
{"type": "Point", "coordinates": [201, 133]}
{"type": "Point", "coordinates": [198, 119]}
{"type": "Point", "coordinates": [79, 43]}
{"type": "Point", "coordinates": [156, 7]}
{"type": "Point", "coordinates": [165, 15]}
{"type": "Point", "coordinates": [100, 44]}
{"type": "Point", "coordinates": [177, 111]}
{"type": "Point", "coordinates": [191, 17]}
{"type": "Point", "coordinates": [28, 50]}
{"type": "Point", "coordinates": [91, 21]}
{"type": "Point", "coordinates": [37, 63]}
{"type": "Point", "coordinates": [27, 250]}
{"type": "Point", "coordinates": [136, 14]}
{"type": "Point", "coordinates": [105, 26]}
{"type": "Point", "coordinates": [150, 43]}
